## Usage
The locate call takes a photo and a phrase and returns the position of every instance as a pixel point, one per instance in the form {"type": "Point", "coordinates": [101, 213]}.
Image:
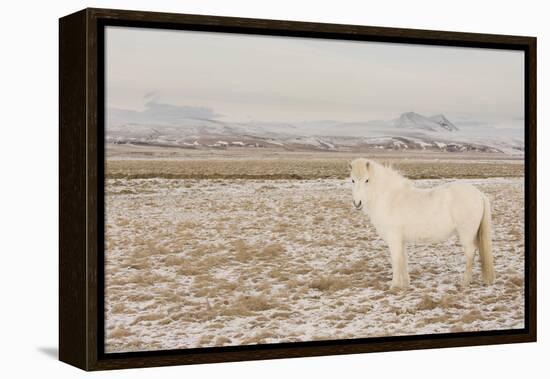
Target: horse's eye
{"type": "Point", "coordinates": [366, 181]}
{"type": "Point", "coordinates": [353, 181]}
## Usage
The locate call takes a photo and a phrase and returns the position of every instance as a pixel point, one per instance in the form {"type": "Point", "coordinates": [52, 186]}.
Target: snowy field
{"type": "Point", "coordinates": [217, 262]}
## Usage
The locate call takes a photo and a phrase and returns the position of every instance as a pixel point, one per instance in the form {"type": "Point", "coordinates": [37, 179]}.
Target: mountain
{"type": "Point", "coordinates": [412, 120]}
{"type": "Point", "coordinates": [194, 129]}
{"type": "Point", "coordinates": [444, 122]}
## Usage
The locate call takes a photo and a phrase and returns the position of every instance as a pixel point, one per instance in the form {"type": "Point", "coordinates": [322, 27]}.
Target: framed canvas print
{"type": "Point", "coordinates": [238, 189]}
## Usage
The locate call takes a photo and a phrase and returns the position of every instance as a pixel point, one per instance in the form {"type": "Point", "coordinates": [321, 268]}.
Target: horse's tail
{"type": "Point", "coordinates": [485, 243]}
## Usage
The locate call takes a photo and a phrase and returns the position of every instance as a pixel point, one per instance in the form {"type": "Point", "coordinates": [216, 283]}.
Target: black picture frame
{"type": "Point", "coordinates": [81, 114]}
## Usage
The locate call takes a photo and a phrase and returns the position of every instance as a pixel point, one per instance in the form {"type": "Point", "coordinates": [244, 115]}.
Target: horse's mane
{"type": "Point", "coordinates": [391, 174]}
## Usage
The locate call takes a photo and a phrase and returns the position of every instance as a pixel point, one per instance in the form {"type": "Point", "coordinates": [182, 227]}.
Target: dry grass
{"type": "Point", "coordinates": [271, 251]}
{"type": "Point", "coordinates": [118, 308]}
{"type": "Point", "coordinates": [147, 317]}
{"type": "Point", "coordinates": [258, 338]}
{"type": "Point", "coordinates": [255, 303]}
{"type": "Point", "coordinates": [471, 316]}
{"type": "Point", "coordinates": [290, 168]}
{"type": "Point", "coordinates": [221, 341]}
{"type": "Point", "coordinates": [329, 283]}
{"type": "Point", "coordinates": [427, 303]}
{"type": "Point", "coordinates": [119, 333]}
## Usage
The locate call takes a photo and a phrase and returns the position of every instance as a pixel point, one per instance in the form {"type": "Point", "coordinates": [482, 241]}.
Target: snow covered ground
{"type": "Point", "coordinates": [213, 262]}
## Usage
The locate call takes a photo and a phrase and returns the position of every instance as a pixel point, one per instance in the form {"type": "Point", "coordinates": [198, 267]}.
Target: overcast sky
{"type": "Point", "coordinates": [243, 77]}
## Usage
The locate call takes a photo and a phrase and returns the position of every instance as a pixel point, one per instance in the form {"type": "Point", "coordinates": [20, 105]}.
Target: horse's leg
{"type": "Point", "coordinates": [467, 235]}
{"type": "Point", "coordinates": [405, 266]}
{"type": "Point", "coordinates": [400, 276]}
{"type": "Point", "coordinates": [469, 250]}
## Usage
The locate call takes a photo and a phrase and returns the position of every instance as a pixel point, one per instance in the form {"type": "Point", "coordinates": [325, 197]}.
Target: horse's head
{"type": "Point", "coordinates": [361, 172]}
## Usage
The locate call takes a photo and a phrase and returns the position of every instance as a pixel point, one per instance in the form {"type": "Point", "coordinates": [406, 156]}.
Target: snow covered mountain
{"type": "Point", "coordinates": [417, 121]}
{"type": "Point", "coordinates": [443, 122]}
{"type": "Point", "coordinates": [203, 130]}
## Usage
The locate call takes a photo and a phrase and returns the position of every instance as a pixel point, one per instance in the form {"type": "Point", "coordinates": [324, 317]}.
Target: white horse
{"type": "Point", "coordinates": [402, 213]}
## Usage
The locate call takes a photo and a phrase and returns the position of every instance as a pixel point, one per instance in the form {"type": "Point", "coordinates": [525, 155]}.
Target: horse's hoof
{"type": "Point", "coordinates": [398, 286]}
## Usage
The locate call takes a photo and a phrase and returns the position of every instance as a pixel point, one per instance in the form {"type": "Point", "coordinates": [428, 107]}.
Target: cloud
{"type": "Point", "coordinates": [170, 111]}
{"type": "Point", "coordinates": [150, 95]}
{"type": "Point", "coordinates": [155, 112]}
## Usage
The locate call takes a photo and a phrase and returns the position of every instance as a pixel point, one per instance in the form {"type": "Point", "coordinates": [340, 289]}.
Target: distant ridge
{"type": "Point", "coordinates": [191, 128]}
{"type": "Point", "coordinates": [444, 122]}
{"type": "Point", "coordinates": [413, 120]}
